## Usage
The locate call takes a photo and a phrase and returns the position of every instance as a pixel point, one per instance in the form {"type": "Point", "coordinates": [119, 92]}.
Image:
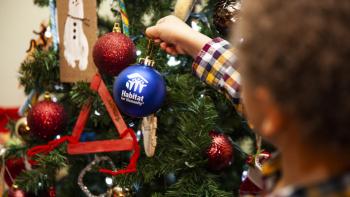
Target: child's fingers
{"type": "Point", "coordinates": [168, 48]}
{"type": "Point", "coordinates": [157, 40]}
{"type": "Point", "coordinates": [161, 20]}
{"type": "Point", "coordinates": [163, 45]}
{"type": "Point", "coordinates": [171, 51]}
{"type": "Point", "coordinates": [152, 32]}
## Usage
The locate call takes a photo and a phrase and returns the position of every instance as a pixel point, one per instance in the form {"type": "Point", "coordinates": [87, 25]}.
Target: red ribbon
{"type": "Point", "coordinates": [133, 160]}
{"type": "Point", "coordinates": [50, 146]}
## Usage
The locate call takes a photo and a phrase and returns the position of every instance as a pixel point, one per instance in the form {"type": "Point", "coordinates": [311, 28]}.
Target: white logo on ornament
{"type": "Point", "coordinates": [136, 84]}
{"type": "Point", "coordinates": [136, 81]}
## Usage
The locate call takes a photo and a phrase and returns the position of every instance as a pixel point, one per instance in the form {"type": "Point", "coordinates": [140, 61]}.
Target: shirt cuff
{"type": "Point", "coordinates": [216, 65]}
{"type": "Point", "coordinates": [207, 57]}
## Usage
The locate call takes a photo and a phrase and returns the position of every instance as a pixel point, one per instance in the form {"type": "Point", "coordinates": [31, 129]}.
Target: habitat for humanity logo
{"type": "Point", "coordinates": [135, 85]}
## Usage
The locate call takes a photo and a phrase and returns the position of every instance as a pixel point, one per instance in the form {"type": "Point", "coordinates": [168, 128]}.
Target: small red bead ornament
{"type": "Point", "coordinates": [220, 151]}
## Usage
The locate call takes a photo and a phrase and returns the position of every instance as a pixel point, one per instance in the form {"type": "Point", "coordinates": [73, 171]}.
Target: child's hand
{"type": "Point", "coordinates": [176, 37]}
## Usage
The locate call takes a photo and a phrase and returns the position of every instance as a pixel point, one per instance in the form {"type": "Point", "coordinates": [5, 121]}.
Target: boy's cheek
{"type": "Point", "coordinates": [251, 108]}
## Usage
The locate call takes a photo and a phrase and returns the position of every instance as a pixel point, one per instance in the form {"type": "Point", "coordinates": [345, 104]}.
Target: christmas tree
{"type": "Point", "coordinates": [191, 120]}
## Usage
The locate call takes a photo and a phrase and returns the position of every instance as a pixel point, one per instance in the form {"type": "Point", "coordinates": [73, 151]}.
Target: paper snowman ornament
{"type": "Point", "coordinates": [77, 28]}
{"type": "Point", "coordinates": [76, 47]}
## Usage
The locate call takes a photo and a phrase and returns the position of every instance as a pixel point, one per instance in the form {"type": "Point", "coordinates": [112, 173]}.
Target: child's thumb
{"type": "Point", "coordinates": [153, 32]}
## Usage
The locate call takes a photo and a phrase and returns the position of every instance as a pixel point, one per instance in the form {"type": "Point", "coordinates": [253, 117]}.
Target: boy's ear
{"type": "Point", "coordinates": [271, 122]}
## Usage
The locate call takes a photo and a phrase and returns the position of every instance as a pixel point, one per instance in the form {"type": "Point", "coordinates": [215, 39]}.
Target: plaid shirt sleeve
{"type": "Point", "coordinates": [216, 65]}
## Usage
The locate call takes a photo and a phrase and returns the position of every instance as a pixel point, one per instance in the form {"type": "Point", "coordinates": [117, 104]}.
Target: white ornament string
{"type": "Point", "coordinates": [3, 166]}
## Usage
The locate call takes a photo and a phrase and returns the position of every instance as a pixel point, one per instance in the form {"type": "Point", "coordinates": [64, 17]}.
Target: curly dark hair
{"type": "Point", "coordinates": [300, 51]}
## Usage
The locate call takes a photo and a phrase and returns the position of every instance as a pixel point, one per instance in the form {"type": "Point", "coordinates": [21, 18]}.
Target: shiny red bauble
{"type": "Point", "coordinates": [14, 167]}
{"type": "Point", "coordinates": [219, 152]}
{"type": "Point", "coordinates": [46, 119]}
{"type": "Point", "coordinates": [247, 187]}
{"type": "Point", "coordinates": [15, 192]}
{"type": "Point", "coordinates": [113, 52]}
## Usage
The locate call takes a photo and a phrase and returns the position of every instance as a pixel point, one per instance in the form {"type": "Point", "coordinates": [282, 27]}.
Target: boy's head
{"type": "Point", "coordinates": [296, 69]}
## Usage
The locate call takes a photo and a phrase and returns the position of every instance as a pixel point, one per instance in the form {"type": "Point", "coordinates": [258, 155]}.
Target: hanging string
{"type": "Point", "coordinates": [258, 139]}
{"type": "Point", "coordinates": [150, 48]}
{"type": "Point", "coordinates": [9, 173]}
{"type": "Point", "coordinates": [53, 24]}
{"type": "Point", "coordinates": [148, 60]}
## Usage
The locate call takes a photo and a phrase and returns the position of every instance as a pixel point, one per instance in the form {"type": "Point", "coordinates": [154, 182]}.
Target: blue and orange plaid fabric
{"type": "Point", "coordinates": [217, 65]}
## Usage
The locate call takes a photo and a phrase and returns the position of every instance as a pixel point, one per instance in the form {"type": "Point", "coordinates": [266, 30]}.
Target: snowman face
{"type": "Point", "coordinates": [76, 7]}
{"type": "Point", "coordinates": [75, 2]}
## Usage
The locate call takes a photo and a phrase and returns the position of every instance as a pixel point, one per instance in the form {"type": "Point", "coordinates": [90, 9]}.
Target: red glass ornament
{"type": "Point", "coordinates": [113, 52]}
{"type": "Point", "coordinates": [47, 192]}
{"type": "Point", "coordinates": [247, 187]}
{"type": "Point", "coordinates": [15, 192]}
{"type": "Point", "coordinates": [52, 192]}
{"type": "Point", "coordinates": [14, 168]}
{"type": "Point", "coordinates": [46, 119]}
{"type": "Point", "coordinates": [220, 151]}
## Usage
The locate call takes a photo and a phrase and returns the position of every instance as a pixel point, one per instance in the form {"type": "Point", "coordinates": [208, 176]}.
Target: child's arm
{"type": "Point", "coordinates": [215, 63]}
{"type": "Point", "coordinates": [176, 37]}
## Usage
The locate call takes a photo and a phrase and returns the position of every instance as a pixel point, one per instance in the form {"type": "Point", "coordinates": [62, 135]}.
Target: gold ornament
{"type": "Point", "coordinates": [47, 96]}
{"type": "Point", "coordinates": [22, 129]}
{"type": "Point", "coordinates": [118, 191]}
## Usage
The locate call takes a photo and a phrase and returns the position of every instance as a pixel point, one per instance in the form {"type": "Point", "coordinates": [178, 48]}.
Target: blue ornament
{"type": "Point", "coordinates": [139, 90]}
{"type": "Point", "coordinates": [88, 136]}
{"type": "Point", "coordinates": [170, 178]}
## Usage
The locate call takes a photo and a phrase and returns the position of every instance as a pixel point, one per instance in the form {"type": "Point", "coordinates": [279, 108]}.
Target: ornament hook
{"type": "Point", "coordinates": [47, 96]}
{"type": "Point", "coordinates": [116, 28]}
{"type": "Point", "coordinates": [150, 48]}
{"type": "Point", "coordinates": [147, 61]}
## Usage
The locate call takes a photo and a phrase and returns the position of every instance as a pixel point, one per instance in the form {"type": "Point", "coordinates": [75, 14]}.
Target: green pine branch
{"type": "Point", "coordinates": [40, 71]}
{"type": "Point", "coordinates": [197, 183]}
{"type": "Point", "coordinates": [43, 172]}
